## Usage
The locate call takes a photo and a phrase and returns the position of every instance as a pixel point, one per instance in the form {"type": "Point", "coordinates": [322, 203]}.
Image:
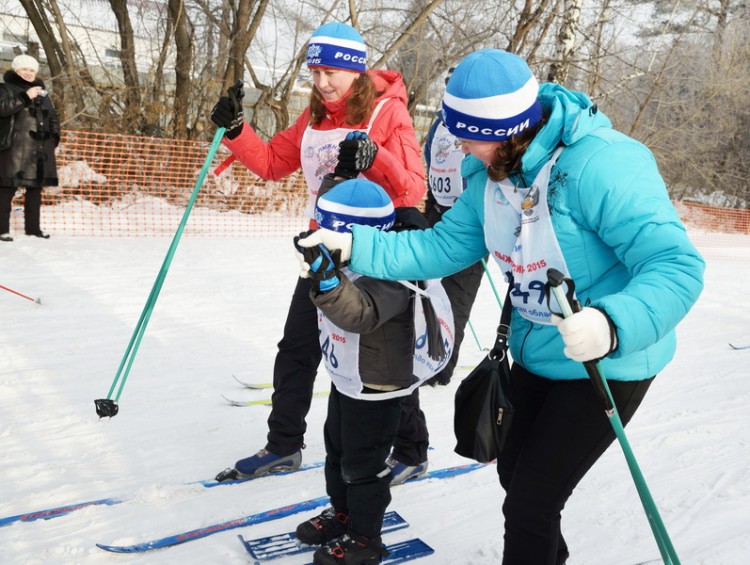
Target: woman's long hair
{"type": "Point", "coordinates": [508, 154]}
{"type": "Point", "coordinates": [359, 105]}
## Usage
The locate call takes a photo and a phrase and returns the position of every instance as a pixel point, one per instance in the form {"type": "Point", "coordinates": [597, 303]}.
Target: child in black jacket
{"type": "Point", "coordinates": [367, 336]}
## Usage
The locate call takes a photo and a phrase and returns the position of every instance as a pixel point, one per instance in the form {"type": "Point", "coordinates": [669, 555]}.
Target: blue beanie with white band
{"type": "Point", "coordinates": [355, 201]}
{"type": "Point", "coordinates": [491, 96]}
{"type": "Point", "coordinates": [337, 46]}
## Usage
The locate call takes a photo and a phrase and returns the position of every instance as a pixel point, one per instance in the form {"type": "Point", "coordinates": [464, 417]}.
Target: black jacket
{"type": "Point", "coordinates": [29, 133]}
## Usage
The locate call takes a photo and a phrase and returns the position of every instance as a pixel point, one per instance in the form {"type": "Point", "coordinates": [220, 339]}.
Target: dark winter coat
{"type": "Point", "coordinates": [29, 133]}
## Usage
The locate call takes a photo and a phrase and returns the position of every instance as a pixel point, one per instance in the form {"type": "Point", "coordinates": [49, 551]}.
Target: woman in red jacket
{"type": "Point", "coordinates": [346, 98]}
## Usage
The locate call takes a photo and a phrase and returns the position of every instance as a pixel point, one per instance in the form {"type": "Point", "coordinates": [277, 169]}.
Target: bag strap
{"type": "Point", "coordinates": [503, 330]}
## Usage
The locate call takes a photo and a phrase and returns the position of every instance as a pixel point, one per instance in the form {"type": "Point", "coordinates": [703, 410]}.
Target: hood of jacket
{"type": "Point", "coordinates": [572, 116]}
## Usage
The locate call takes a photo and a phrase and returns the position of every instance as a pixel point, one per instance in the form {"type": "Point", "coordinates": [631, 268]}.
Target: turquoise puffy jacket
{"type": "Point", "coordinates": [623, 242]}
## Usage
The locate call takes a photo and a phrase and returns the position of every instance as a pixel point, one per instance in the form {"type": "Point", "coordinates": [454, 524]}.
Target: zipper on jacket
{"type": "Point", "coordinates": [523, 342]}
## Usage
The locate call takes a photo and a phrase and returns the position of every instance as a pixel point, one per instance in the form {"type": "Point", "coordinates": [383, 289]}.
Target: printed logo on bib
{"type": "Point", "coordinates": [499, 196]}
{"type": "Point", "coordinates": [531, 200]}
{"type": "Point", "coordinates": [445, 146]}
{"type": "Point", "coordinates": [328, 156]}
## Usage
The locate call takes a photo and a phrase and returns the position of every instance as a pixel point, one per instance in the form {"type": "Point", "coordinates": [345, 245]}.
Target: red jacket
{"type": "Point", "coordinates": [398, 166]}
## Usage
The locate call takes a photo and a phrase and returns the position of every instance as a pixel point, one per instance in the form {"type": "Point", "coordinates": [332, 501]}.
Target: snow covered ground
{"type": "Point", "coordinates": [220, 313]}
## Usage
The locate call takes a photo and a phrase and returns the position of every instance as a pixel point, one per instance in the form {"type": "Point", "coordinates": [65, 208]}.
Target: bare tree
{"type": "Point", "coordinates": [183, 37]}
{"type": "Point", "coordinates": [566, 41]}
{"type": "Point", "coordinates": [127, 60]}
{"type": "Point", "coordinates": [245, 22]}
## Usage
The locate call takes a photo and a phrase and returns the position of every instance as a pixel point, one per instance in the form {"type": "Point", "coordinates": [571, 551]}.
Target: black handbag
{"type": "Point", "coordinates": [483, 407]}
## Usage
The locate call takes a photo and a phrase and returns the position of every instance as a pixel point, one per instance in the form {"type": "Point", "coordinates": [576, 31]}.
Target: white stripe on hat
{"type": "Point", "coordinates": [497, 107]}
{"type": "Point", "coordinates": [338, 42]}
{"type": "Point", "coordinates": [362, 211]}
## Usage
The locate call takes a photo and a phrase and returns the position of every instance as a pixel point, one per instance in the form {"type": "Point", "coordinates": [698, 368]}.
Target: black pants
{"type": "Point", "coordinates": [461, 288]}
{"type": "Point", "coordinates": [358, 437]}
{"type": "Point", "coordinates": [294, 376]}
{"type": "Point", "coordinates": [32, 202]}
{"type": "Point", "coordinates": [559, 431]}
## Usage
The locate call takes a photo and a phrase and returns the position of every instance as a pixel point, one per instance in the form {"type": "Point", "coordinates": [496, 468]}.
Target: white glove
{"type": "Point", "coordinates": [332, 240]}
{"type": "Point", "coordinates": [588, 335]}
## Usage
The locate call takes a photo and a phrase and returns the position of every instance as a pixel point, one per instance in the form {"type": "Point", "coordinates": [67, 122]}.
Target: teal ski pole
{"type": "Point", "coordinates": [476, 339]}
{"type": "Point", "coordinates": [108, 406]}
{"type": "Point", "coordinates": [568, 306]}
{"type": "Point", "coordinates": [492, 283]}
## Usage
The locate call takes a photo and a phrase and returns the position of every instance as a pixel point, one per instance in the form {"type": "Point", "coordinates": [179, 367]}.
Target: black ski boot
{"type": "Point", "coordinates": [328, 525]}
{"type": "Point", "coordinates": [351, 549]}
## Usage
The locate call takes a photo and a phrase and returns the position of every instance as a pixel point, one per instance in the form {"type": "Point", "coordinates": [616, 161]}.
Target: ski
{"type": "Point", "coordinates": [263, 401]}
{"type": "Point", "coordinates": [234, 480]}
{"type": "Point", "coordinates": [49, 513]}
{"type": "Point", "coordinates": [269, 515]}
{"type": "Point", "coordinates": [251, 520]}
{"type": "Point", "coordinates": [405, 551]}
{"type": "Point", "coordinates": [448, 472]}
{"type": "Point", "coordinates": [254, 386]}
{"type": "Point", "coordinates": [738, 347]}
{"type": "Point", "coordinates": [281, 545]}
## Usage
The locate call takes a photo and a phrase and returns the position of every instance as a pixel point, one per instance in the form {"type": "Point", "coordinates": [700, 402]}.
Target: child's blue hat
{"type": "Point", "coordinates": [491, 96]}
{"type": "Point", "coordinates": [356, 201]}
{"type": "Point", "coordinates": [337, 46]}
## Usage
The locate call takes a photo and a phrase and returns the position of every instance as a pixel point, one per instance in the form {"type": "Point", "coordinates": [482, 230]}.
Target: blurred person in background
{"type": "Point", "coordinates": [443, 154]}
{"type": "Point", "coordinates": [29, 134]}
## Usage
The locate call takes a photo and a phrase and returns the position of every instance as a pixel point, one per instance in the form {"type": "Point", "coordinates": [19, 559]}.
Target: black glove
{"type": "Point", "coordinates": [409, 218]}
{"type": "Point", "coordinates": [356, 153]}
{"type": "Point", "coordinates": [324, 265]}
{"type": "Point", "coordinates": [228, 111]}
{"type": "Point", "coordinates": [443, 378]}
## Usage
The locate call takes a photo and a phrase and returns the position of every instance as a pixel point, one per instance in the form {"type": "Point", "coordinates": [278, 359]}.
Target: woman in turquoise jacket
{"type": "Point", "coordinates": [552, 185]}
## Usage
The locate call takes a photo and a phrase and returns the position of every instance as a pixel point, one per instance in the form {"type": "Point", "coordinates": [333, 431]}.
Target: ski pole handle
{"type": "Point", "coordinates": [569, 306]}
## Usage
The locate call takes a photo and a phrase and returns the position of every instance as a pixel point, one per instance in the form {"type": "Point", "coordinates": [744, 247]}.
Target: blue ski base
{"type": "Point", "coordinates": [405, 551]}
{"type": "Point", "coordinates": [281, 545]}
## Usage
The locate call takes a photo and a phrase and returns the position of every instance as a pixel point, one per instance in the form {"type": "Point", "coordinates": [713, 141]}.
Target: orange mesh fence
{"type": "Point", "coordinates": [120, 185]}
{"type": "Point", "coordinates": [716, 231]}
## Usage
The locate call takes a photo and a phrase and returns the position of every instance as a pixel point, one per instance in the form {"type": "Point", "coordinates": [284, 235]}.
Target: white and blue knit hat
{"type": "Point", "coordinates": [355, 201]}
{"type": "Point", "coordinates": [491, 96]}
{"type": "Point", "coordinates": [25, 62]}
{"type": "Point", "coordinates": [337, 46]}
